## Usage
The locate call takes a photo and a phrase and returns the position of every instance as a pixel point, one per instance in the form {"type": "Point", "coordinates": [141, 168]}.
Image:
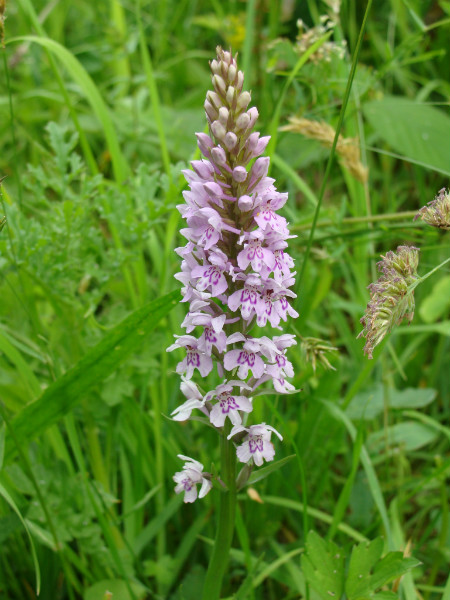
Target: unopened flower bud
{"type": "Point", "coordinates": [245, 203]}
{"type": "Point", "coordinates": [218, 130]}
{"type": "Point", "coordinates": [261, 145]}
{"type": "Point", "coordinates": [243, 101]}
{"type": "Point", "coordinates": [252, 141]}
{"type": "Point", "coordinates": [215, 67]}
{"type": "Point", "coordinates": [231, 73]}
{"type": "Point", "coordinates": [204, 142]}
{"type": "Point", "coordinates": [219, 156]}
{"type": "Point", "coordinates": [211, 112]}
{"type": "Point", "coordinates": [230, 140]}
{"type": "Point", "coordinates": [213, 189]}
{"type": "Point", "coordinates": [253, 115]}
{"type": "Point", "coordinates": [242, 122]}
{"type": "Point", "coordinates": [240, 81]}
{"type": "Point", "coordinates": [203, 169]}
{"type": "Point", "coordinates": [260, 167]}
{"type": "Point", "coordinates": [227, 58]}
{"type": "Point", "coordinates": [219, 84]}
{"type": "Point", "coordinates": [239, 174]}
{"type": "Point", "coordinates": [230, 94]}
{"type": "Point", "coordinates": [223, 115]}
{"type": "Point", "coordinates": [214, 99]}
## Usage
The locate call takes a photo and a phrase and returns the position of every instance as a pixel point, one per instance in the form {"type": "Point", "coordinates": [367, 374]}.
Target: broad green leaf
{"type": "Point", "coordinates": [370, 403]}
{"type": "Point", "coordinates": [412, 129]}
{"type": "Point", "coordinates": [99, 362]}
{"type": "Point", "coordinates": [323, 566]}
{"type": "Point", "coordinates": [437, 303]}
{"type": "Point", "coordinates": [265, 471]}
{"type": "Point", "coordinates": [385, 596]}
{"type": "Point", "coordinates": [407, 435]}
{"type": "Point", "coordinates": [411, 397]}
{"type": "Point", "coordinates": [363, 558]}
{"type": "Point", "coordinates": [114, 589]}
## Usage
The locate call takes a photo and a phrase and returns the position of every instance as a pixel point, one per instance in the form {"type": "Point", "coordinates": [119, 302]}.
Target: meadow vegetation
{"type": "Point", "coordinates": [99, 105]}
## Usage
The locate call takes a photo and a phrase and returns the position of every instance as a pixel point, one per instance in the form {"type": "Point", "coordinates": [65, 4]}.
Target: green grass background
{"type": "Point", "coordinates": [99, 103]}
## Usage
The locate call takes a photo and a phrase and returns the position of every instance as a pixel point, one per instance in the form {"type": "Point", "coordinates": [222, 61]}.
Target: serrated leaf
{"type": "Point", "coordinates": [392, 566]}
{"type": "Point", "coordinates": [97, 364]}
{"type": "Point", "coordinates": [364, 557]}
{"type": "Point", "coordinates": [265, 471]}
{"type": "Point", "coordinates": [323, 567]}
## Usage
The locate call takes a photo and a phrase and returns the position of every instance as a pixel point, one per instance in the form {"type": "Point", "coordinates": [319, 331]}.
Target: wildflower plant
{"type": "Point", "coordinates": [236, 274]}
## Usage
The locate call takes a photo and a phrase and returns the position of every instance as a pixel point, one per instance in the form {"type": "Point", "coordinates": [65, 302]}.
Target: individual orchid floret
{"type": "Point", "coordinates": [213, 334]}
{"type": "Point", "coordinates": [195, 358]}
{"type": "Point", "coordinates": [256, 444]}
{"type": "Point", "coordinates": [194, 401]}
{"type": "Point", "coordinates": [255, 254]}
{"type": "Point", "coordinates": [245, 359]}
{"type": "Point", "coordinates": [392, 296]}
{"type": "Point", "coordinates": [248, 299]}
{"type": "Point", "coordinates": [188, 479]}
{"type": "Point", "coordinates": [210, 277]}
{"type": "Point", "coordinates": [228, 404]}
{"type": "Point", "coordinates": [437, 212]}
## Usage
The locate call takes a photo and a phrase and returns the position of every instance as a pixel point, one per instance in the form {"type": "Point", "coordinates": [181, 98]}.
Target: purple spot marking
{"type": "Point", "coordinates": [255, 444]}
{"type": "Point", "coordinates": [193, 358]}
{"type": "Point", "coordinates": [246, 357]}
{"type": "Point", "coordinates": [187, 484]}
{"type": "Point", "coordinates": [281, 360]}
{"type": "Point", "coordinates": [210, 335]}
{"type": "Point", "coordinates": [227, 403]}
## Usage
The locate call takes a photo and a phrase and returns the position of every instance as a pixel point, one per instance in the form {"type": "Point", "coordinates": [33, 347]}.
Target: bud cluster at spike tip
{"type": "Point", "coordinates": [235, 269]}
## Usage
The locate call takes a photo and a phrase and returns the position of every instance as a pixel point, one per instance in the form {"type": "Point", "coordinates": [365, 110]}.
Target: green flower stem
{"type": "Point", "coordinates": [225, 528]}
{"type": "Point", "coordinates": [419, 281]}
{"type": "Point", "coordinates": [400, 216]}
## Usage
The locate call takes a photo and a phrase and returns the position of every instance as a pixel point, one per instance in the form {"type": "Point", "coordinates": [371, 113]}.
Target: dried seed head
{"type": "Point", "coordinates": [347, 148]}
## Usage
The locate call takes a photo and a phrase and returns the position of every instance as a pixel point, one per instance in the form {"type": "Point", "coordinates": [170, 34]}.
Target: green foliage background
{"type": "Point", "coordinates": [99, 104]}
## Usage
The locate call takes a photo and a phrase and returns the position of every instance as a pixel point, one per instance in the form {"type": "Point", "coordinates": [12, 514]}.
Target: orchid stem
{"type": "Point", "coordinates": [225, 528]}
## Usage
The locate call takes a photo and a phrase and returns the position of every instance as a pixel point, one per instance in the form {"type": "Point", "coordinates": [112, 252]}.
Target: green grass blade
{"type": "Point", "coordinates": [333, 147]}
{"type": "Point", "coordinates": [60, 397]}
{"type": "Point", "coordinates": [372, 479]}
{"type": "Point", "coordinates": [5, 495]}
{"type": "Point", "coordinates": [93, 96]}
